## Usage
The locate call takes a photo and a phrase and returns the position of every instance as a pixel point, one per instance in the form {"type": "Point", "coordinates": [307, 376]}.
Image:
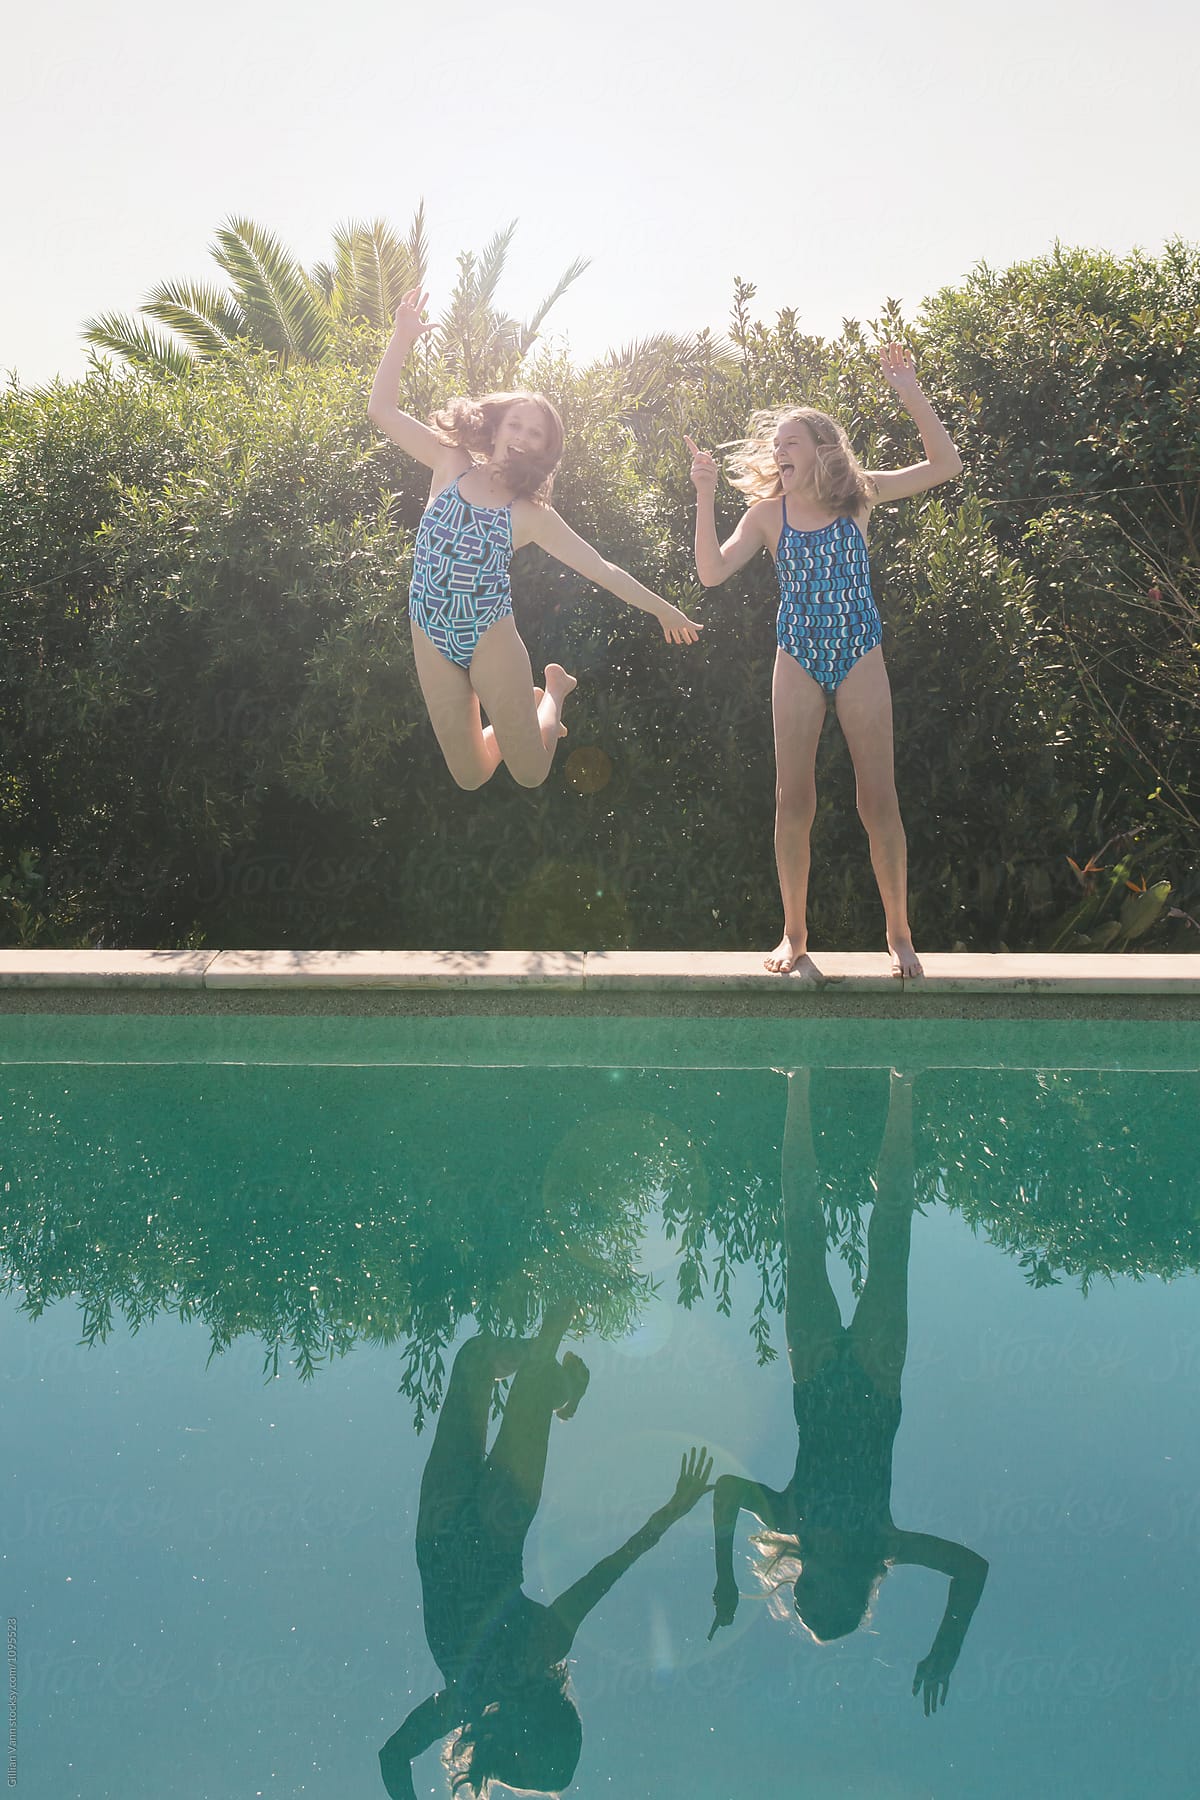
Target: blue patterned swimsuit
{"type": "Point", "coordinates": [828, 619]}
{"type": "Point", "coordinates": [460, 572]}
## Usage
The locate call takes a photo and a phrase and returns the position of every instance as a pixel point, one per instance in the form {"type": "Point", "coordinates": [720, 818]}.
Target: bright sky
{"type": "Point", "coordinates": [833, 154]}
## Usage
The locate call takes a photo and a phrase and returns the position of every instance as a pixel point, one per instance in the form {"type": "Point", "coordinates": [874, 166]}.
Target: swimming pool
{"type": "Point", "coordinates": [271, 1236]}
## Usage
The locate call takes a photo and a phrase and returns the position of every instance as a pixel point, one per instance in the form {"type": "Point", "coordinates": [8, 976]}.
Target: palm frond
{"type": "Point", "coordinates": [531, 327]}
{"type": "Point", "coordinates": [372, 269]}
{"type": "Point", "coordinates": [204, 317]}
{"type": "Point", "coordinates": [491, 266]}
{"type": "Point", "coordinates": [282, 308]}
{"type": "Point", "coordinates": [386, 272]}
{"type": "Point", "coordinates": [324, 278]}
{"type": "Point", "coordinates": [462, 296]}
{"type": "Point", "coordinates": [137, 344]}
{"type": "Point", "coordinates": [416, 246]}
{"type": "Point", "coordinates": [651, 364]}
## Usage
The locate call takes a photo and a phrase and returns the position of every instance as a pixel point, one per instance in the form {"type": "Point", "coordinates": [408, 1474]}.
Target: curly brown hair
{"type": "Point", "coordinates": [528, 1740]}
{"type": "Point", "coordinates": [472, 425]}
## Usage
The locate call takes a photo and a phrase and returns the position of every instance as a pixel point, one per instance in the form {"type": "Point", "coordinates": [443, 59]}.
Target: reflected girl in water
{"type": "Point", "coordinates": [507, 1698]}
{"type": "Point", "coordinates": [829, 1532]}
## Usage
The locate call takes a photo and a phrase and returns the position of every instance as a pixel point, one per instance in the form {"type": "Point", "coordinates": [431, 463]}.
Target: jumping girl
{"type": "Point", "coordinates": [507, 1700]}
{"type": "Point", "coordinates": [829, 1533]}
{"type": "Point", "coordinates": [493, 463]}
{"type": "Point", "coordinates": [809, 504]}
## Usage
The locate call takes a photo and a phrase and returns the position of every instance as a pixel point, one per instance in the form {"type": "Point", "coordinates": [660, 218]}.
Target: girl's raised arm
{"type": "Point", "coordinates": [716, 562]}
{"type": "Point", "coordinates": [542, 525]}
{"type": "Point", "coordinates": [572, 1607]}
{"type": "Point", "coordinates": [732, 1494]}
{"type": "Point", "coordinates": [410, 434]}
{"type": "Point", "coordinates": [942, 461]}
{"type": "Point", "coordinates": [434, 1718]}
{"type": "Point", "coordinates": [967, 1571]}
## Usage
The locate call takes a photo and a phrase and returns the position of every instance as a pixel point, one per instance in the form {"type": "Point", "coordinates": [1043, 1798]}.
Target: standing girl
{"type": "Point", "coordinates": [493, 463]}
{"type": "Point", "coordinates": [809, 504]}
{"type": "Point", "coordinates": [829, 1534]}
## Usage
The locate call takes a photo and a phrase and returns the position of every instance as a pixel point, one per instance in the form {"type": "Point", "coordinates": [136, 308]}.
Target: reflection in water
{"type": "Point", "coordinates": [318, 1208]}
{"type": "Point", "coordinates": [503, 1656]}
{"type": "Point", "coordinates": [323, 1209]}
{"type": "Point", "coordinates": [829, 1533]}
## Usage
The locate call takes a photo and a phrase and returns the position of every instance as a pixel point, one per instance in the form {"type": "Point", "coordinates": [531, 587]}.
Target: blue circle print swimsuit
{"type": "Point", "coordinates": [828, 619]}
{"type": "Point", "coordinates": [460, 572]}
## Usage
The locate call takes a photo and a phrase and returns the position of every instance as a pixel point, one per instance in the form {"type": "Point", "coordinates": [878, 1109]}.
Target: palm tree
{"type": "Point", "coordinates": [481, 346]}
{"type": "Point", "coordinates": [371, 269]}
{"type": "Point", "coordinates": [295, 314]}
{"type": "Point", "coordinates": [273, 304]}
{"type": "Point", "coordinates": [655, 378]}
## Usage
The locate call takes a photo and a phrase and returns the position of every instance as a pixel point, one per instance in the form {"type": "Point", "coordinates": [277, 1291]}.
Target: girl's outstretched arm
{"type": "Point", "coordinates": [542, 525]}
{"type": "Point", "coordinates": [572, 1607]}
{"type": "Point", "coordinates": [716, 562]}
{"type": "Point", "coordinates": [967, 1571]}
{"type": "Point", "coordinates": [412, 436]}
{"type": "Point", "coordinates": [730, 1495]}
{"type": "Point", "coordinates": [942, 461]}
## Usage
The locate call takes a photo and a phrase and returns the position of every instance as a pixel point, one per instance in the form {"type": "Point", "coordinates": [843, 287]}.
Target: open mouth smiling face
{"type": "Point", "coordinates": [522, 432]}
{"type": "Point", "coordinates": [795, 454]}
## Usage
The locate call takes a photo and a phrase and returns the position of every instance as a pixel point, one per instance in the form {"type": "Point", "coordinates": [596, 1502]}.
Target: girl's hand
{"type": "Point", "coordinates": [704, 469]}
{"type": "Point", "coordinates": [677, 628]}
{"type": "Point", "coordinates": [725, 1602]}
{"type": "Point", "coordinates": [694, 1471]}
{"type": "Point", "coordinates": [408, 322]}
{"type": "Point", "coordinates": [899, 370]}
{"type": "Point", "coordinates": [932, 1679]}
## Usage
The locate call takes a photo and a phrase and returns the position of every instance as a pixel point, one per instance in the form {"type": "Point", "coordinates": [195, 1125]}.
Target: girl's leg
{"type": "Point", "coordinates": [798, 706]}
{"type": "Point", "coordinates": [812, 1317]}
{"type": "Point", "coordinates": [864, 709]}
{"type": "Point", "coordinates": [511, 1490]}
{"type": "Point", "coordinates": [457, 1455]}
{"type": "Point", "coordinates": [526, 731]}
{"type": "Point", "coordinates": [471, 752]}
{"type": "Point", "coordinates": [879, 1330]}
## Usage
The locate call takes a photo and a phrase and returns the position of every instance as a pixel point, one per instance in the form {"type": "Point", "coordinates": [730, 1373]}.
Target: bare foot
{"type": "Point", "coordinates": [558, 683]}
{"type": "Point", "coordinates": [577, 1376]}
{"type": "Point", "coordinates": [791, 958]}
{"type": "Point", "coordinates": [539, 695]}
{"type": "Point", "coordinates": [906, 964]}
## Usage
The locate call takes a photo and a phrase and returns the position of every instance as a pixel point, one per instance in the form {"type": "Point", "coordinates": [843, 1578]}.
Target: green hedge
{"type": "Point", "coordinates": [210, 731]}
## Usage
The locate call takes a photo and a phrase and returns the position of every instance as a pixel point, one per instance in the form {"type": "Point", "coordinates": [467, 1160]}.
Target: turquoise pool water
{"type": "Point", "coordinates": [242, 1254]}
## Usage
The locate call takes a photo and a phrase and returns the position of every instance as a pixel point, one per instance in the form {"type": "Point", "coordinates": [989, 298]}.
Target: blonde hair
{"type": "Point", "coordinates": [846, 1602]}
{"type": "Point", "coordinates": [840, 480]}
{"type": "Point", "coordinates": [472, 425]}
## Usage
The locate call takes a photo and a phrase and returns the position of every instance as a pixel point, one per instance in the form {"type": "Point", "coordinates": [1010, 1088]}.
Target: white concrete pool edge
{"type": "Point", "coordinates": [596, 971]}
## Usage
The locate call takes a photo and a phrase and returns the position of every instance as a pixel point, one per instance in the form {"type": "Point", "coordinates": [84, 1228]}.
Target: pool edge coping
{"type": "Point", "coordinates": [447, 972]}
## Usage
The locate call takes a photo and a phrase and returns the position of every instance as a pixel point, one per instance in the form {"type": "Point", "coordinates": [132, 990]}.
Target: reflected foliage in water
{"type": "Point", "coordinates": [316, 1207]}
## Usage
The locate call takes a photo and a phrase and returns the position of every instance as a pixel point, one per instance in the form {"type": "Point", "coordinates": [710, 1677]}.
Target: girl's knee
{"type": "Point", "coordinates": [526, 775]}
{"type": "Point", "coordinates": [472, 1364]}
{"type": "Point", "coordinates": [796, 802]}
{"type": "Point", "coordinates": [485, 1358]}
{"type": "Point", "coordinates": [469, 779]}
{"type": "Point", "coordinates": [879, 810]}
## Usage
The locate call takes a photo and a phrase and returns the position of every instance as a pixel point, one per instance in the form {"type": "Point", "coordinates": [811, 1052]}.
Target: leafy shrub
{"type": "Point", "coordinates": [210, 731]}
